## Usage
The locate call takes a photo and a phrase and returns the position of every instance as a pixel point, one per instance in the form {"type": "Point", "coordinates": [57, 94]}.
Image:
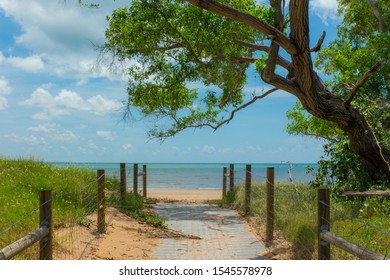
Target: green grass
{"type": "Point", "coordinates": [74, 196]}
{"type": "Point", "coordinates": [21, 180]}
{"type": "Point", "coordinates": [134, 206]}
{"type": "Point", "coordinates": [296, 219]}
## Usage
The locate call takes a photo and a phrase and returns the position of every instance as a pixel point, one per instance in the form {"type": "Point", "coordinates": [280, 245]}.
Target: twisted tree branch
{"type": "Point", "coordinates": [280, 60]}
{"type": "Point", "coordinates": [317, 47]}
{"type": "Point", "coordinates": [247, 19]}
{"type": "Point", "coordinates": [377, 15]}
{"type": "Point", "coordinates": [361, 83]}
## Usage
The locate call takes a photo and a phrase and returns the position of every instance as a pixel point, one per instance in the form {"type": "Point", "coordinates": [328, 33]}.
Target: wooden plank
{"type": "Point", "coordinates": [22, 244]}
{"type": "Point", "coordinates": [248, 184]}
{"type": "Point", "coordinates": [231, 177]}
{"type": "Point", "coordinates": [101, 214]}
{"type": "Point", "coordinates": [45, 219]}
{"type": "Point", "coordinates": [367, 193]}
{"type": "Point", "coordinates": [224, 181]}
{"type": "Point", "coordinates": [323, 222]}
{"type": "Point", "coordinates": [144, 182]}
{"type": "Point", "coordinates": [123, 180]}
{"type": "Point", "coordinates": [135, 178]}
{"type": "Point", "coordinates": [352, 248]}
{"type": "Point", "coordinates": [269, 234]}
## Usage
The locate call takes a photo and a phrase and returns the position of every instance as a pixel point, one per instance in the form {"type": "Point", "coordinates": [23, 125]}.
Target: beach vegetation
{"type": "Point", "coordinates": [363, 221]}
{"type": "Point", "coordinates": [137, 207]}
{"type": "Point", "coordinates": [74, 198]}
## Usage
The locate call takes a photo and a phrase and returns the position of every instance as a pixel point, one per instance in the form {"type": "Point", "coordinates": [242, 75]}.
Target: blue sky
{"type": "Point", "coordinates": [56, 104]}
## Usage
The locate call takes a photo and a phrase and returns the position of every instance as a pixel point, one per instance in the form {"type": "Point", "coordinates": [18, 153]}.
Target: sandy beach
{"type": "Point", "coordinates": [185, 195]}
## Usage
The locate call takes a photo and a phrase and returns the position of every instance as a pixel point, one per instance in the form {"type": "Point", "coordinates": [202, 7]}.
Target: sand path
{"type": "Point", "coordinates": [209, 228]}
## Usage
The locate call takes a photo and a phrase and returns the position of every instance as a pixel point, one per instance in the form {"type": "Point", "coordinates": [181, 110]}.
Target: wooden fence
{"type": "Point", "coordinates": [43, 234]}
{"type": "Point", "coordinates": [325, 237]}
{"type": "Point", "coordinates": [136, 174]}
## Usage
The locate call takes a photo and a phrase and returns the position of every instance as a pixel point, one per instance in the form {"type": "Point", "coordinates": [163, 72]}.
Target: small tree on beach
{"type": "Point", "coordinates": [171, 45]}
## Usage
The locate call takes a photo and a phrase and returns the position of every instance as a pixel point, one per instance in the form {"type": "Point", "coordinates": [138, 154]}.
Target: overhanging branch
{"type": "Point", "coordinates": [377, 15]}
{"type": "Point", "coordinates": [269, 69]}
{"type": "Point", "coordinates": [247, 19]}
{"type": "Point", "coordinates": [215, 127]}
{"type": "Point", "coordinates": [317, 47]}
{"type": "Point", "coordinates": [361, 83]}
{"type": "Point", "coordinates": [237, 78]}
{"type": "Point", "coordinates": [280, 60]}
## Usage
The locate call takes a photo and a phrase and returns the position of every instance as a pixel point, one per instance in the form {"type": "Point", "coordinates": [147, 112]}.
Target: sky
{"type": "Point", "coordinates": [58, 104]}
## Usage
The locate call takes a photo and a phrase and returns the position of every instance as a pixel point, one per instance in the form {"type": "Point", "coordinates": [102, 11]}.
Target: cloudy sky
{"type": "Point", "coordinates": [57, 104]}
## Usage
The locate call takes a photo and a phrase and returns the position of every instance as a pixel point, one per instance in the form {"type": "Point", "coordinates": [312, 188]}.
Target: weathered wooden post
{"type": "Point", "coordinates": [144, 182]}
{"type": "Point", "coordinates": [123, 180]}
{"type": "Point", "coordinates": [224, 180]}
{"type": "Point", "coordinates": [248, 182]}
{"type": "Point", "coordinates": [231, 177]}
{"type": "Point", "coordinates": [323, 223]}
{"type": "Point", "coordinates": [135, 178]}
{"type": "Point", "coordinates": [101, 214]}
{"type": "Point", "coordinates": [45, 220]}
{"type": "Point", "coordinates": [269, 235]}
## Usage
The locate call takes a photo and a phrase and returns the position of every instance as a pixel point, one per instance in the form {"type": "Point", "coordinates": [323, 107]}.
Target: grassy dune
{"type": "Point", "coordinates": [20, 183]}
{"type": "Point", "coordinates": [74, 196]}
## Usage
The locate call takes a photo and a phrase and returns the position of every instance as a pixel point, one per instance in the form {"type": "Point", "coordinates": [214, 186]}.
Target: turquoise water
{"type": "Point", "coordinates": [200, 175]}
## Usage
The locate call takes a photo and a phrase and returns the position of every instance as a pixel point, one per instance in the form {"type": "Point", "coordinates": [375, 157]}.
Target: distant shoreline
{"type": "Point", "coordinates": [185, 195]}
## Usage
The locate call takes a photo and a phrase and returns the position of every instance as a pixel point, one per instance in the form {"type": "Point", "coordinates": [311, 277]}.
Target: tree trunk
{"type": "Point", "coordinates": [323, 104]}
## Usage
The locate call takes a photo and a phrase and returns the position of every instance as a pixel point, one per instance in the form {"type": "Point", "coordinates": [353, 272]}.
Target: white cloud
{"type": "Point", "coordinates": [30, 139]}
{"type": "Point", "coordinates": [4, 86]}
{"type": "Point", "coordinates": [325, 9]}
{"type": "Point", "coordinates": [62, 34]}
{"type": "Point", "coordinates": [30, 64]}
{"type": "Point", "coordinates": [102, 105]}
{"type": "Point", "coordinates": [52, 132]}
{"type": "Point", "coordinates": [208, 149]}
{"type": "Point", "coordinates": [108, 135]}
{"type": "Point", "coordinates": [42, 128]}
{"type": "Point", "coordinates": [64, 136]}
{"type": "Point", "coordinates": [5, 89]}
{"type": "Point", "coordinates": [65, 102]}
{"type": "Point", "coordinates": [254, 149]}
{"type": "Point", "coordinates": [93, 146]}
{"type": "Point", "coordinates": [127, 147]}
{"type": "Point", "coordinates": [3, 103]}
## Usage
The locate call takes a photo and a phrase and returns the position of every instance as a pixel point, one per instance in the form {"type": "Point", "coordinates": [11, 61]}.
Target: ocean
{"type": "Point", "coordinates": [200, 175]}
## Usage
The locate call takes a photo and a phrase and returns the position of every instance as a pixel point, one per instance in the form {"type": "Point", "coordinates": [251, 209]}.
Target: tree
{"type": "Point", "coordinates": [363, 40]}
{"type": "Point", "coordinates": [171, 43]}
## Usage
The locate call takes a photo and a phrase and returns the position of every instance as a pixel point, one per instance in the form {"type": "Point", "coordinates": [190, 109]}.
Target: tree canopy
{"type": "Point", "coordinates": [172, 45]}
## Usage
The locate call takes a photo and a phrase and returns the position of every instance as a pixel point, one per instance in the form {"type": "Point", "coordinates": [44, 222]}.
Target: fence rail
{"type": "Point", "coordinates": [354, 249]}
{"type": "Point", "coordinates": [43, 234]}
{"type": "Point", "coordinates": [367, 193]}
{"type": "Point", "coordinates": [23, 243]}
{"type": "Point", "coordinates": [325, 237]}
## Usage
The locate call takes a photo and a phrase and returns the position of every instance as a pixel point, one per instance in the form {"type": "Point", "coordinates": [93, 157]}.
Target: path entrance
{"type": "Point", "coordinates": [217, 234]}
